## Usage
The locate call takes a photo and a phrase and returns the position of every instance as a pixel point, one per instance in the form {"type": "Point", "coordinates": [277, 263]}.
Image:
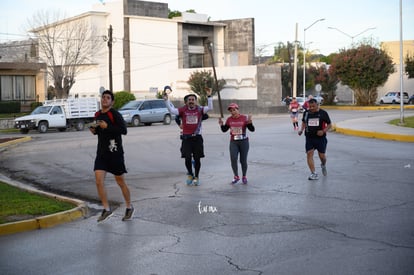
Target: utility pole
{"type": "Point", "coordinates": [210, 46]}
{"type": "Point", "coordinates": [110, 40]}
{"type": "Point", "coordinates": [401, 68]}
{"type": "Point", "coordinates": [295, 63]}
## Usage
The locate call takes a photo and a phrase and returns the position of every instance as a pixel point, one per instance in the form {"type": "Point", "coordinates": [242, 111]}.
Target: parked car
{"type": "Point", "coordinates": [411, 100]}
{"type": "Point", "coordinates": [146, 111]}
{"type": "Point", "coordinates": [393, 98]}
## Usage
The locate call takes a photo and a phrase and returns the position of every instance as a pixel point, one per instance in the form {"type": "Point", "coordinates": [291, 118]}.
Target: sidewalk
{"type": "Point", "coordinates": [375, 127]}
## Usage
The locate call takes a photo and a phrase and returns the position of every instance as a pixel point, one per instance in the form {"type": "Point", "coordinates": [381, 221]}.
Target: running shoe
{"type": "Point", "coordinates": [105, 215]}
{"type": "Point", "coordinates": [244, 180]}
{"type": "Point", "coordinates": [235, 180]}
{"type": "Point", "coordinates": [196, 182]}
{"type": "Point", "coordinates": [189, 179]}
{"type": "Point", "coordinates": [324, 172]}
{"type": "Point", "coordinates": [313, 176]}
{"type": "Point", "coordinates": [129, 213]}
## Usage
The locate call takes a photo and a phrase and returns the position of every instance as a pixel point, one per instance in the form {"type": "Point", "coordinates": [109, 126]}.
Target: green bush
{"type": "Point", "coordinates": [121, 98]}
{"type": "Point", "coordinates": [9, 107]}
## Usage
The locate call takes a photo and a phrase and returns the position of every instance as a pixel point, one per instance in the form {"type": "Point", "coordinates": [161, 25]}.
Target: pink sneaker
{"type": "Point", "coordinates": [244, 180]}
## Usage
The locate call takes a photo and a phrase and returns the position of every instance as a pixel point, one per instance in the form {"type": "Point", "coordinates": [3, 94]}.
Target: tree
{"type": "Point", "coordinates": [281, 53]}
{"type": "Point", "coordinates": [409, 66]}
{"type": "Point", "coordinates": [200, 80]}
{"type": "Point", "coordinates": [172, 14]}
{"type": "Point", "coordinates": [67, 47]}
{"type": "Point", "coordinates": [320, 75]}
{"type": "Point", "coordinates": [363, 69]}
{"type": "Point", "coordinates": [176, 13]}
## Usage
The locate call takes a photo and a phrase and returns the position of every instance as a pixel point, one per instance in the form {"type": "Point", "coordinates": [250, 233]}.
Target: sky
{"type": "Point", "coordinates": [345, 21]}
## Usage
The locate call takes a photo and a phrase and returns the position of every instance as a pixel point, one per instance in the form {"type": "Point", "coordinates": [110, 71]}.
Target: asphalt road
{"type": "Point", "coordinates": [357, 220]}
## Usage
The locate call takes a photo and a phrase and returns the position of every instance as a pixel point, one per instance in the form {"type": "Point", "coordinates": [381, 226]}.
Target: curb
{"type": "Point", "coordinates": [81, 210]}
{"type": "Point", "coordinates": [366, 108]}
{"type": "Point", "coordinates": [15, 141]}
{"type": "Point", "coordinates": [371, 134]}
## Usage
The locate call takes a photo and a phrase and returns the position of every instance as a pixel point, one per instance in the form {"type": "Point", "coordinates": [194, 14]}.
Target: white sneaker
{"type": "Point", "coordinates": [313, 176]}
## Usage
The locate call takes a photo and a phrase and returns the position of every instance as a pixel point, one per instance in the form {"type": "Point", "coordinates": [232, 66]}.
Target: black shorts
{"type": "Point", "coordinates": [316, 143]}
{"type": "Point", "coordinates": [192, 146]}
{"type": "Point", "coordinates": [112, 163]}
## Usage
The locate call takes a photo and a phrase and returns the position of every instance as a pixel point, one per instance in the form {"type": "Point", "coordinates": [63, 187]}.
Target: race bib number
{"type": "Point", "coordinates": [294, 110]}
{"type": "Point", "coordinates": [237, 130]}
{"type": "Point", "coordinates": [313, 122]}
{"type": "Point", "coordinates": [192, 119]}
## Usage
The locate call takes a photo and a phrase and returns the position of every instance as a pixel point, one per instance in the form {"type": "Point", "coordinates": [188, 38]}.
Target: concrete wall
{"type": "Point", "coordinates": [144, 8]}
{"type": "Point", "coordinates": [239, 41]}
{"type": "Point", "coordinates": [257, 89]}
{"type": "Point", "coordinates": [6, 123]}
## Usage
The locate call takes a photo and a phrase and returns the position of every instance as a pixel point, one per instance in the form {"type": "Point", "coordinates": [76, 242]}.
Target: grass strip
{"type": "Point", "coordinates": [408, 122]}
{"type": "Point", "coordinates": [17, 204]}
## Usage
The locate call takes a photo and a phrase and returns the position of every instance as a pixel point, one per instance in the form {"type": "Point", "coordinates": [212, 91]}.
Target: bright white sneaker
{"type": "Point", "coordinates": [196, 181]}
{"type": "Point", "coordinates": [313, 176]}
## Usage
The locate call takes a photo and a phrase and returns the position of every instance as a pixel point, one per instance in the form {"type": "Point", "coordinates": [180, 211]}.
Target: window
{"type": "Point", "coordinates": [13, 87]}
{"type": "Point", "coordinates": [146, 106]}
{"type": "Point", "coordinates": [29, 88]}
{"type": "Point", "coordinates": [196, 51]}
{"type": "Point", "coordinates": [195, 60]}
{"type": "Point", "coordinates": [158, 104]}
{"type": "Point", "coordinates": [57, 110]}
{"type": "Point", "coordinates": [18, 87]}
{"type": "Point", "coordinates": [6, 88]}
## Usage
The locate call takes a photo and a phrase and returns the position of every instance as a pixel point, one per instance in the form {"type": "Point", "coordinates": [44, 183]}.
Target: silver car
{"type": "Point", "coordinates": [393, 98]}
{"type": "Point", "coordinates": [146, 111]}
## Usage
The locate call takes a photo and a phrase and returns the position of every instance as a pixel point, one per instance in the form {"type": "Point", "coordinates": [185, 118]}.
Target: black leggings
{"type": "Point", "coordinates": [237, 147]}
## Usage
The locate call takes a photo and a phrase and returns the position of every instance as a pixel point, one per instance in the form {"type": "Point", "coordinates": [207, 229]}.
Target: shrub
{"type": "Point", "coordinates": [121, 98]}
{"type": "Point", "coordinates": [8, 107]}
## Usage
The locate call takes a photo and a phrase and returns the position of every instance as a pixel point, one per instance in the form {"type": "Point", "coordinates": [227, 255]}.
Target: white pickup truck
{"type": "Point", "coordinates": [60, 114]}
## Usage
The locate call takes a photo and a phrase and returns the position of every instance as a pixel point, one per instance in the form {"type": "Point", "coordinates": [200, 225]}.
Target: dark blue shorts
{"type": "Point", "coordinates": [316, 143]}
{"type": "Point", "coordinates": [112, 163]}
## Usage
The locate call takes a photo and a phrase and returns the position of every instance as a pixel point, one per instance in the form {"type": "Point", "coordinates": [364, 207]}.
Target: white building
{"type": "Point", "coordinates": [150, 51]}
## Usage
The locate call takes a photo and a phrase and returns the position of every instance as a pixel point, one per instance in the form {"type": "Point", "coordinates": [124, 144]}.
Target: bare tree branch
{"type": "Point", "coordinates": [68, 47]}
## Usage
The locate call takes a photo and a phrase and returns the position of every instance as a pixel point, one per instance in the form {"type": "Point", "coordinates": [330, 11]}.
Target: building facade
{"type": "Point", "coordinates": [22, 74]}
{"type": "Point", "coordinates": [149, 51]}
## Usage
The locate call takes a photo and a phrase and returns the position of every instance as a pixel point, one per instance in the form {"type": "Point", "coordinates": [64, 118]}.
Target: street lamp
{"type": "Point", "coordinates": [304, 56]}
{"type": "Point", "coordinates": [352, 39]}
{"type": "Point", "coordinates": [352, 36]}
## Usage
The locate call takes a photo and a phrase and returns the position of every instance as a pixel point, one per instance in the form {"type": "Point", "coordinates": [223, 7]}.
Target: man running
{"type": "Point", "coordinates": [315, 123]}
{"type": "Point", "coordinates": [110, 126]}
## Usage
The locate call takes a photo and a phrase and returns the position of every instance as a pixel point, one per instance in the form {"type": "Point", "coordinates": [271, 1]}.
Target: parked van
{"type": "Point", "coordinates": [146, 111]}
